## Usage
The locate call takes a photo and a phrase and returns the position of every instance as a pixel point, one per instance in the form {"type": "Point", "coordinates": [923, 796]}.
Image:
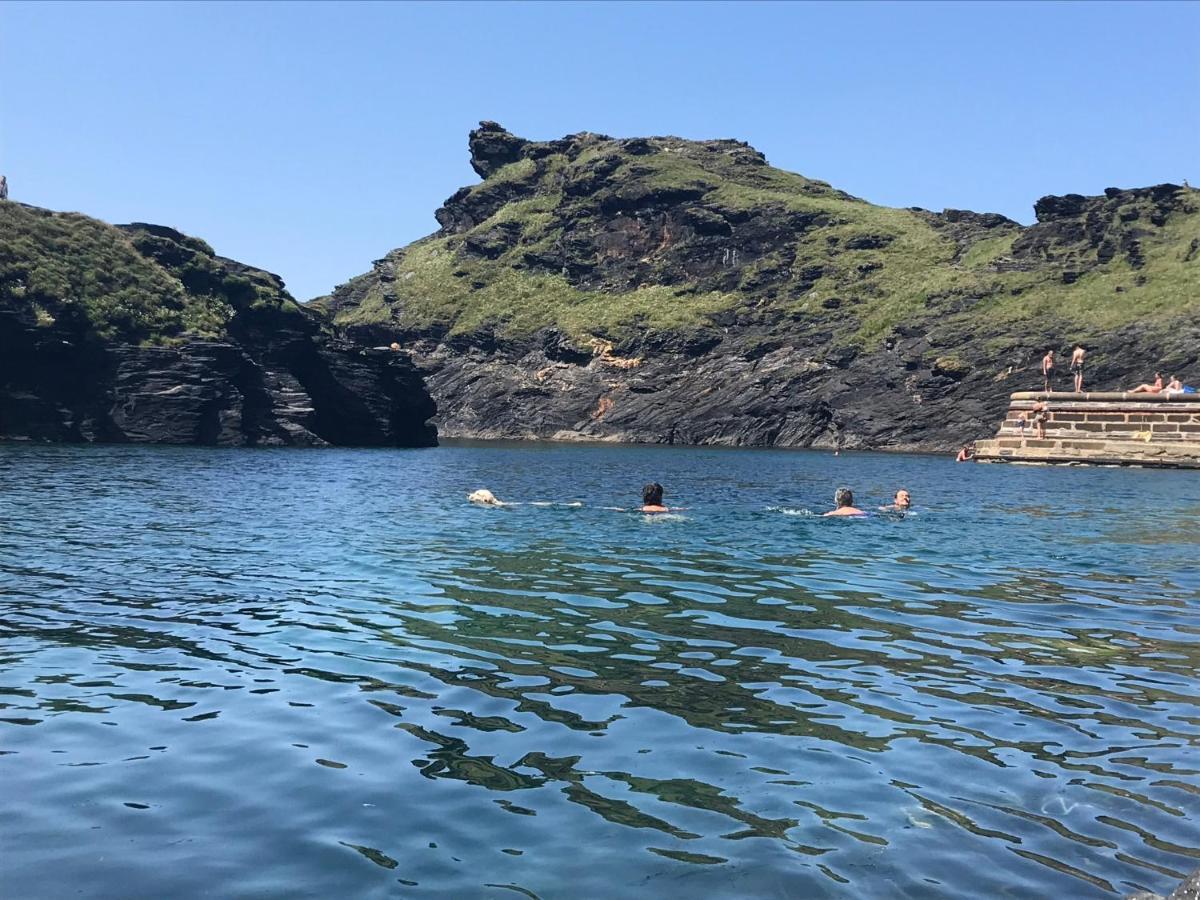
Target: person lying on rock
{"type": "Point", "coordinates": [845, 504]}
{"type": "Point", "coordinates": [1155, 388]}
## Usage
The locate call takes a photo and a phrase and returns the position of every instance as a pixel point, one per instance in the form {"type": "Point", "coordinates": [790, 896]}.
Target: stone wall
{"type": "Point", "coordinates": [1100, 428]}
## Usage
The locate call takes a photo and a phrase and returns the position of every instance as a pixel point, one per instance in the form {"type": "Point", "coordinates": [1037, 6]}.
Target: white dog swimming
{"type": "Point", "coordinates": [484, 497]}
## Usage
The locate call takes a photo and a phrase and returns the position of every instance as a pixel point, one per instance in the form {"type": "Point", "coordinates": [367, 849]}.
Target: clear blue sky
{"type": "Point", "coordinates": [309, 139]}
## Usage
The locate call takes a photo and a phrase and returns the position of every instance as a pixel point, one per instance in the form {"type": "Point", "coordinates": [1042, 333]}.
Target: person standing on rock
{"type": "Point", "coordinates": [1077, 356]}
{"type": "Point", "coordinates": [3, 188]}
{"type": "Point", "coordinates": [1048, 368]}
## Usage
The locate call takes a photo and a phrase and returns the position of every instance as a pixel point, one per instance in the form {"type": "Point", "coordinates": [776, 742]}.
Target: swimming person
{"type": "Point", "coordinates": [967, 453]}
{"type": "Point", "coordinates": [845, 504]}
{"type": "Point", "coordinates": [652, 497]}
{"type": "Point", "coordinates": [900, 503]}
{"type": "Point", "coordinates": [484, 497]}
{"type": "Point", "coordinates": [1048, 368]}
{"type": "Point", "coordinates": [1077, 356]}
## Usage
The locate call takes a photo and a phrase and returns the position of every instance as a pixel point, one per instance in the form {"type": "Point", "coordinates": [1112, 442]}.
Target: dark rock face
{"type": "Point", "coordinates": [752, 388]}
{"type": "Point", "coordinates": [306, 391]}
{"type": "Point", "coordinates": [493, 147]}
{"type": "Point", "coordinates": [277, 376]}
{"type": "Point", "coordinates": [1082, 232]}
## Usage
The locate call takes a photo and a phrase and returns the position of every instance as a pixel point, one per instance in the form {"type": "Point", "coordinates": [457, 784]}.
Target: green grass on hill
{"type": "Point", "coordinates": [913, 272]}
{"type": "Point", "coordinates": [133, 286]}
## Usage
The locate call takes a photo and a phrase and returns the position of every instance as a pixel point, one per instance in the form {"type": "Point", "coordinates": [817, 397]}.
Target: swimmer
{"type": "Point", "coordinates": [484, 497]}
{"type": "Point", "coordinates": [652, 497]}
{"type": "Point", "coordinates": [967, 453]}
{"type": "Point", "coordinates": [845, 504]}
{"type": "Point", "coordinates": [901, 503]}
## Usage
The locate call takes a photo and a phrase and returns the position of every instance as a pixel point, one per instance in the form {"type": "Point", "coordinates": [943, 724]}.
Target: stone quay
{"type": "Point", "coordinates": [1106, 428]}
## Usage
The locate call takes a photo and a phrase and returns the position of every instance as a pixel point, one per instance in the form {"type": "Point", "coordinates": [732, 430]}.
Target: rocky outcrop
{"type": "Point", "coordinates": [666, 290]}
{"type": "Point", "coordinates": [1188, 890]}
{"type": "Point", "coordinates": [311, 392]}
{"type": "Point", "coordinates": [273, 375]}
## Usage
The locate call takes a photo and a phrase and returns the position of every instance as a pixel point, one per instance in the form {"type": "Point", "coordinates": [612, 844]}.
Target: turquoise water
{"type": "Point", "coordinates": [321, 673]}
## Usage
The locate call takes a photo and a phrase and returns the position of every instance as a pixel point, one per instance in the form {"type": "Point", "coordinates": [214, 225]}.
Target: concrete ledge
{"type": "Point", "coordinates": [1112, 453]}
{"type": "Point", "coordinates": [1107, 396]}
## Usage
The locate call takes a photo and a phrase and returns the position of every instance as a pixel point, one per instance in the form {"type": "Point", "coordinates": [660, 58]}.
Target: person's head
{"type": "Point", "coordinates": [1049, 352]}
{"type": "Point", "coordinates": [843, 497]}
{"type": "Point", "coordinates": [652, 494]}
{"type": "Point", "coordinates": [903, 498]}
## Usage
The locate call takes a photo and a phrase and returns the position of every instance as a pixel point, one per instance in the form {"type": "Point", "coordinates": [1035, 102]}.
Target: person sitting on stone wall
{"type": "Point", "coordinates": [1174, 386]}
{"type": "Point", "coordinates": [1155, 388]}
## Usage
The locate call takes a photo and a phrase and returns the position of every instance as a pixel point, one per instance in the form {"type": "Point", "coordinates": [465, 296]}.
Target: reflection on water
{"type": "Point", "coordinates": [312, 674]}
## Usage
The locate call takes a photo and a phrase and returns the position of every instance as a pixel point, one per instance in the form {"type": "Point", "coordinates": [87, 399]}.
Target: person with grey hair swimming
{"type": "Point", "coordinates": [844, 499]}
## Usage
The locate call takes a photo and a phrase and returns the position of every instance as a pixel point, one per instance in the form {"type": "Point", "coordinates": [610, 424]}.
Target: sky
{"type": "Point", "coordinates": [309, 139]}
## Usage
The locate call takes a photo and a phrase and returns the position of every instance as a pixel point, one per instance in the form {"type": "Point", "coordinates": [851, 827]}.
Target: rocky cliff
{"type": "Point", "coordinates": [140, 333]}
{"type": "Point", "coordinates": [665, 290]}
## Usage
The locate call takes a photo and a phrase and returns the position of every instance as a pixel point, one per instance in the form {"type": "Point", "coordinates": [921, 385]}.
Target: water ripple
{"type": "Point", "coordinates": [321, 673]}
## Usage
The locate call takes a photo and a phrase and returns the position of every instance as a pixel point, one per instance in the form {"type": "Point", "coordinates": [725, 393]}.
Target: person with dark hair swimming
{"type": "Point", "coordinates": [901, 503]}
{"type": "Point", "coordinates": [844, 499]}
{"type": "Point", "coordinates": [652, 497]}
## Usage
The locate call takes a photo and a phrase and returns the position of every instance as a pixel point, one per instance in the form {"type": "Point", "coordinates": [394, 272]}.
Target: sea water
{"type": "Point", "coordinates": [283, 673]}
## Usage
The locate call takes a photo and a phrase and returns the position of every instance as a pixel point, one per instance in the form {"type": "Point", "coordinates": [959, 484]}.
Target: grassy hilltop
{"type": "Point", "coordinates": [599, 237]}
{"type": "Point", "coordinates": [136, 284]}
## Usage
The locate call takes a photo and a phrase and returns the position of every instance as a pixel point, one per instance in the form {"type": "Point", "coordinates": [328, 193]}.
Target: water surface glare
{"type": "Point", "coordinates": [317, 674]}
